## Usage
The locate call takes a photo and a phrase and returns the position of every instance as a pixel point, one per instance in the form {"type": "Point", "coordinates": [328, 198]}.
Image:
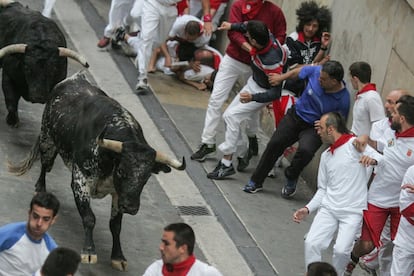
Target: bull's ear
{"type": "Point", "coordinates": [101, 135]}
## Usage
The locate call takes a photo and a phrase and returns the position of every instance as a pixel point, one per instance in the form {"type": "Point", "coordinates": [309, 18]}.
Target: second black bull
{"type": "Point", "coordinates": [105, 149]}
{"type": "Point", "coordinates": [32, 55]}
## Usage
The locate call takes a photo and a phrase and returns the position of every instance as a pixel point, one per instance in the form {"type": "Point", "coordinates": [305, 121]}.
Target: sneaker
{"type": "Point", "coordinates": [119, 34]}
{"type": "Point", "coordinates": [203, 151]}
{"type": "Point", "coordinates": [221, 171]}
{"type": "Point", "coordinates": [289, 190]}
{"type": "Point", "coordinates": [367, 269]}
{"type": "Point", "coordinates": [243, 162]}
{"type": "Point", "coordinates": [253, 146]}
{"type": "Point", "coordinates": [142, 85]}
{"type": "Point", "coordinates": [349, 268]}
{"type": "Point", "coordinates": [127, 49]}
{"type": "Point", "coordinates": [103, 42]}
{"type": "Point", "coordinates": [272, 173]}
{"type": "Point", "coordinates": [252, 187]}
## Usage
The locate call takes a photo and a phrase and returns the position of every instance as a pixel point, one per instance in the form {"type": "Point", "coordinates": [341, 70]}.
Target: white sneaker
{"type": "Point", "coordinates": [142, 84]}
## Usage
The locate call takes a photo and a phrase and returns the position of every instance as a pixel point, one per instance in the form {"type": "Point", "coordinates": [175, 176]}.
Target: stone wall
{"type": "Point", "coordinates": [380, 32]}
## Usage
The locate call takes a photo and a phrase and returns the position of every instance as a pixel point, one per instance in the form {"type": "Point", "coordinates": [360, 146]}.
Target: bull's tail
{"type": "Point", "coordinates": [23, 166]}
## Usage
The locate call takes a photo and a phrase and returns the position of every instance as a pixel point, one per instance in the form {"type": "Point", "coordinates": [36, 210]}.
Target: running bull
{"type": "Point", "coordinates": [32, 55]}
{"type": "Point", "coordinates": [105, 149]}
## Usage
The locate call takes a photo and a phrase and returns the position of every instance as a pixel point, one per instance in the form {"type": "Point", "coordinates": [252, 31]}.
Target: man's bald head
{"type": "Point", "coordinates": [392, 98]}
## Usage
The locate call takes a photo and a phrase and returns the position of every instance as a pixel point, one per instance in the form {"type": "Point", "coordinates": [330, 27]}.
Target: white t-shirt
{"type": "Point", "coordinates": [381, 132]}
{"type": "Point", "coordinates": [367, 109]}
{"type": "Point", "coordinates": [384, 191]}
{"type": "Point", "coordinates": [342, 180]}
{"type": "Point", "coordinates": [19, 254]}
{"type": "Point", "coordinates": [405, 233]}
{"type": "Point", "coordinates": [178, 29]}
{"type": "Point", "coordinates": [198, 269]}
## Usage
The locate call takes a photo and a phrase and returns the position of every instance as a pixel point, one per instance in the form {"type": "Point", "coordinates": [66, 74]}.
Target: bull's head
{"type": "Point", "coordinates": [137, 162]}
{"type": "Point", "coordinates": [43, 67]}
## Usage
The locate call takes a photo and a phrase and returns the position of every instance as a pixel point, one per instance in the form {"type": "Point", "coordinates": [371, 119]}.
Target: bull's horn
{"type": "Point", "coordinates": [65, 52]}
{"type": "Point", "coordinates": [4, 3]}
{"type": "Point", "coordinates": [113, 145]}
{"type": "Point", "coordinates": [13, 49]}
{"type": "Point", "coordinates": [162, 158]}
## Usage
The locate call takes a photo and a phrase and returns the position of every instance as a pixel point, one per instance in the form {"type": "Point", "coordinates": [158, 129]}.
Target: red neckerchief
{"type": "Point", "coordinates": [201, 29]}
{"type": "Point", "coordinates": [366, 88]}
{"type": "Point", "coordinates": [407, 133]}
{"type": "Point", "coordinates": [341, 140]}
{"type": "Point", "coordinates": [255, 51]}
{"type": "Point", "coordinates": [179, 269]}
{"type": "Point", "coordinates": [408, 213]}
{"type": "Point", "coordinates": [301, 38]}
{"type": "Point", "coordinates": [251, 8]}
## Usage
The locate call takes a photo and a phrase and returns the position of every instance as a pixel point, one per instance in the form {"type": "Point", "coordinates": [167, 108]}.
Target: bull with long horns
{"type": "Point", "coordinates": [33, 56]}
{"type": "Point", "coordinates": [105, 149]}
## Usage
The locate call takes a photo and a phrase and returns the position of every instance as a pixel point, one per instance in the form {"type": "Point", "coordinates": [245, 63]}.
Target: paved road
{"type": "Point", "coordinates": [241, 234]}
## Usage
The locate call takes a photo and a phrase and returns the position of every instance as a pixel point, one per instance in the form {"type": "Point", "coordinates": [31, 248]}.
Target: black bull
{"type": "Point", "coordinates": [32, 55]}
{"type": "Point", "coordinates": [116, 161]}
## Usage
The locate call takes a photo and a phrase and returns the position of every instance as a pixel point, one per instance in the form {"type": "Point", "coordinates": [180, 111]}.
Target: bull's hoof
{"type": "Point", "coordinates": [120, 265]}
{"type": "Point", "coordinates": [12, 120]}
{"type": "Point", "coordinates": [89, 258]}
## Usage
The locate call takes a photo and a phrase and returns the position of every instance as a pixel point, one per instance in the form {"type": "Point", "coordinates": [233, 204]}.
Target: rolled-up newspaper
{"type": "Point", "coordinates": [180, 63]}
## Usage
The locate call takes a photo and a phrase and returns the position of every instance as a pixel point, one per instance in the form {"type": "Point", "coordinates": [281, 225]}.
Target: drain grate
{"type": "Point", "coordinates": [193, 210]}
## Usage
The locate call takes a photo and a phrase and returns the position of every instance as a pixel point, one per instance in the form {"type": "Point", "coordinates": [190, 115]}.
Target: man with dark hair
{"type": "Point", "coordinates": [268, 56]}
{"type": "Point", "coordinates": [379, 136]}
{"type": "Point", "coordinates": [321, 269]}
{"type": "Point", "coordinates": [341, 197]}
{"type": "Point", "coordinates": [177, 258]}
{"type": "Point", "coordinates": [368, 105]}
{"type": "Point", "coordinates": [384, 192]}
{"type": "Point", "coordinates": [25, 245]}
{"type": "Point", "coordinates": [310, 42]}
{"type": "Point", "coordinates": [60, 262]}
{"type": "Point", "coordinates": [236, 65]}
{"type": "Point", "coordinates": [325, 92]}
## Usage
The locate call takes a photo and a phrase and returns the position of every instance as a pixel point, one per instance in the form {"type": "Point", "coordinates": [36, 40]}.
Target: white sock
{"type": "Point", "coordinates": [226, 162]}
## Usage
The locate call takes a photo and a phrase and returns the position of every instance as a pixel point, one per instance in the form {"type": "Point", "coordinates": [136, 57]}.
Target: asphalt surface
{"type": "Point", "coordinates": [241, 234]}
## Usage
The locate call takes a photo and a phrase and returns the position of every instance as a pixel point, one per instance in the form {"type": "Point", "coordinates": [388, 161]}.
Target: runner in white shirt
{"type": "Point", "coordinates": [24, 246]}
{"type": "Point", "coordinates": [177, 258]}
{"type": "Point", "coordinates": [383, 195]}
{"type": "Point", "coordinates": [341, 196]}
{"type": "Point", "coordinates": [368, 105]}
{"type": "Point", "coordinates": [403, 254]}
{"type": "Point", "coordinates": [381, 132]}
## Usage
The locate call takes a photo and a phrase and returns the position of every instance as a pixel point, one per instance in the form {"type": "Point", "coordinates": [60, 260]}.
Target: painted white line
{"type": "Point", "coordinates": [212, 239]}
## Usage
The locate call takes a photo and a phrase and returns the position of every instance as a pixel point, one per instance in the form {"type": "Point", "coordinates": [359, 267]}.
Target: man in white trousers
{"type": "Point", "coordinates": [268, 56]}
{"type": "Point", "coordinates": [235, 65]}
{"type": "Point", "coordinates": [341, 197]}
{"type": "Point", "coordinates": [156, 20]}
{"type": "Point", "coordinates": [47, 8]}
{"type": "Point", "coordinates": [384, 192]}
{"type": "Point", "coordinates": [380, 133]}
{"type": "Point", "coordinates": [403, 254]}
{"type": "Point", "coordinates": [117, 17]}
